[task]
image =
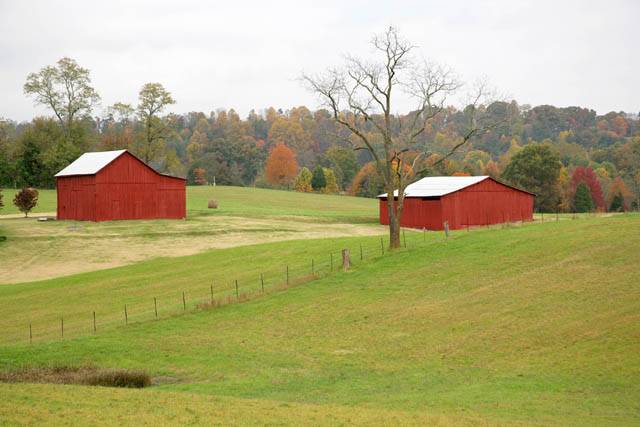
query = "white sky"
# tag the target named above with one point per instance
(245, 54)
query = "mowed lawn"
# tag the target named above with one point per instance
(244, 201)
(536, 324)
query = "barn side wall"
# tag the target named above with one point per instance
(416, 213)
(76, 196)
(128, 189)
(485, 203)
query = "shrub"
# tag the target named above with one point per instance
(85, 375)
(213, 204)
(26, 199)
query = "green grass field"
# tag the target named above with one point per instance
(245, 201)
(533, 324)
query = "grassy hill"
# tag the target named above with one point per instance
(535, 324)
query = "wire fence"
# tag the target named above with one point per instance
(221, 291)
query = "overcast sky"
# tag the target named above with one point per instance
(245, 55)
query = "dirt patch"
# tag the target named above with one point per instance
(42, 250)
(86, 375)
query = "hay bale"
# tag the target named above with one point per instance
(213, 204)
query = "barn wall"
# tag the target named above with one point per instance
(76, 197)
(416, 213)
(129, 189)
(487, 202)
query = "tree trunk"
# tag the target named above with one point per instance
(394, 221)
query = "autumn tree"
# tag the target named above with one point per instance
(152, 100)
(587, 175)
(200, 176)
(26, 199)
(619, 196)
(536, 168)
(362, 98)
(281, 165)
(303, 181)
(66, 89)
(331, 183)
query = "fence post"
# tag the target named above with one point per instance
(331, 256)
(126, 316)
(313, 271)
(94, 322)
(424, 234)
(62, 326)
(211, 288)
(262, 282)
(446, 229)
(184, 302)
(382, 245)
(468, 221)
(30, 334)
(237, 292)
(155, 306)
(287, 274)
(404, 238)
(346, 260)
(361, 252)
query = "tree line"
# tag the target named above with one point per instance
(572, 158)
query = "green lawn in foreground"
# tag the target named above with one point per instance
(245, 201)
(535, 324)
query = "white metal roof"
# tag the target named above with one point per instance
(434, 186)
(90, 163)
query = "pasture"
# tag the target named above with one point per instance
(41, 250)
(531, 324)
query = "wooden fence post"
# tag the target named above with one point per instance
(424, 234)
(382, 245)
(361, 252)
(30, 334)
(94, 322)
(237, 291)
(211, 288)
(468, 221)
(346, 260)
(446, 229)
(62, 326)
(126, 316)
(313, 271)
(155, 306)
(331, 262)
(262, 282)
(404, 238)
(184, 302)
(287, 274)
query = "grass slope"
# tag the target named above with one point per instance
(535, 324)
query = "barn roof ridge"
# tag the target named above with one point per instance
(437, 186)
(92, 162)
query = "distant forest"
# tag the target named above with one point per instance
(572, 158)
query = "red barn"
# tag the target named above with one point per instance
(112, 185)
(461, 201)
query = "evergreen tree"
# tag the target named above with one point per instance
(318, 181)
(617, 203)
(582, 200)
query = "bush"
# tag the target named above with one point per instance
(213, 204)
(85, 375)
(26, 199)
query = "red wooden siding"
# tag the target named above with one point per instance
(124, 189)
(484, 203)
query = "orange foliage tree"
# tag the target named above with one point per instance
(281, 167)
(200, 176)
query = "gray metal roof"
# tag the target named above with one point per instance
(435, 186)
(90, 163)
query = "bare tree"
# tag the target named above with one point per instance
(362, 95)
(153, 98)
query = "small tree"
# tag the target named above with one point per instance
(303, 181)
(318, 181)
(26, 199)
(582, 200)
(331, 183)
(617, 203)
(199, 176)
(281, 165)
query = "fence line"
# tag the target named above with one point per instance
(232, 290)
